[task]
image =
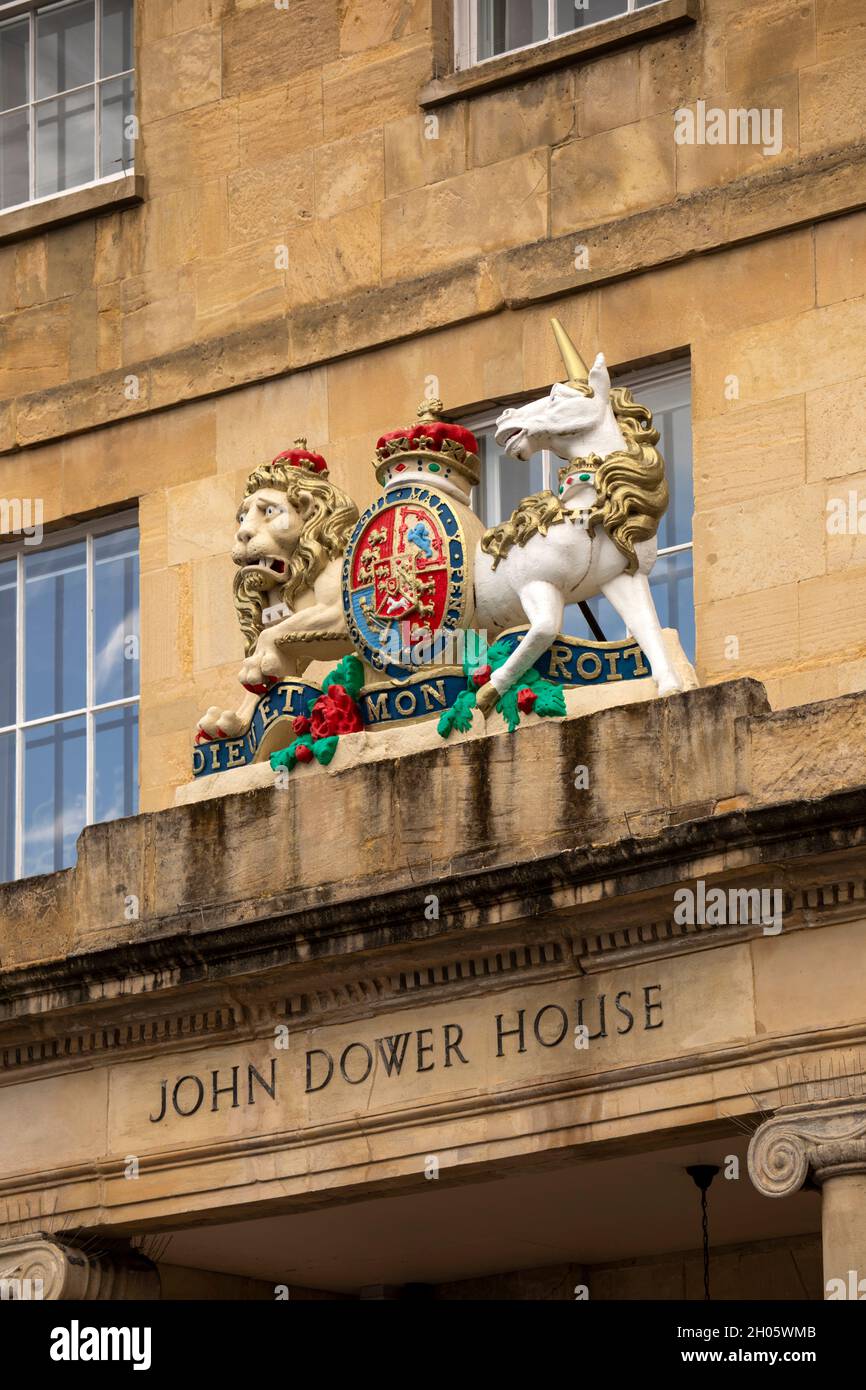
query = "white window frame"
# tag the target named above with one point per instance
(15, 11)
(88, 532)
(466, 32)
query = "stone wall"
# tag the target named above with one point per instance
(410, 257)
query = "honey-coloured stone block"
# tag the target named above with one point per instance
(263, 44)
(611, 174)
(425, 147)
(608, 92)
(255, 424)
(350, 173)
(270, 199)
(510, 122)
(179, 72)
(465, 216)
(832, 102)
(367, 89)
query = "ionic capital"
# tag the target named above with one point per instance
(40, 1266)
(823, 1140)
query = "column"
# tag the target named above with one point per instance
(825, 1142)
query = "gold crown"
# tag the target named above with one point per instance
(577, 467)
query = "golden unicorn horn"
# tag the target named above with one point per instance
(578, 372)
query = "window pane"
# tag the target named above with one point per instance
(116, 37)
(576, 14)
(14, 158)
(55, 769)
(115, 750)
(8, 645)
(504, 481)
(64, 142)
(675, 442)
(673, 591)
(115, 616)
(116, 152)
(65, 48)
(14, 64)
(507, 24)
(7, 807)
(55, 631)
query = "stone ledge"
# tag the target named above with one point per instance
(209, 904)
(581, 45)
(70, 207)
(808, 191)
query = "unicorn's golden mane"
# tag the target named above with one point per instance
(630, 482)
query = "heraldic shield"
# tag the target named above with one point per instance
(404, 581)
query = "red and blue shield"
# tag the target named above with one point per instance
(404, 580)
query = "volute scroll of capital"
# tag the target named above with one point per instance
(823, 1140)
(40, 1267)
(36, 1264)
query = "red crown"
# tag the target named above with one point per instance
(444, 445)
(302, 457)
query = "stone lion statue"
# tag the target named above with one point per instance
(293, 526)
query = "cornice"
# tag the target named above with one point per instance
(237, 1009)
(219, 942)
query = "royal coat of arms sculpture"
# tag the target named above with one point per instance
(433, 616)
(406, 587)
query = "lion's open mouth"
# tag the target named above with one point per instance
(266, 563)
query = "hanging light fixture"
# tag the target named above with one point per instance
(702, 1175)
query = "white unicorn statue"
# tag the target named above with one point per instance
(598, 536)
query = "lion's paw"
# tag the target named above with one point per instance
(253, 676)
(209, 725)
(220, 723)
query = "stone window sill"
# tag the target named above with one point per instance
(69, 207)
(544, 57)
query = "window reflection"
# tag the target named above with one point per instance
(55, 623)
(115, 754)
(115, 616)
(8, 653)
(79, 695)
(55, 793)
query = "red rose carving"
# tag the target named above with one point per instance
(335, 712)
